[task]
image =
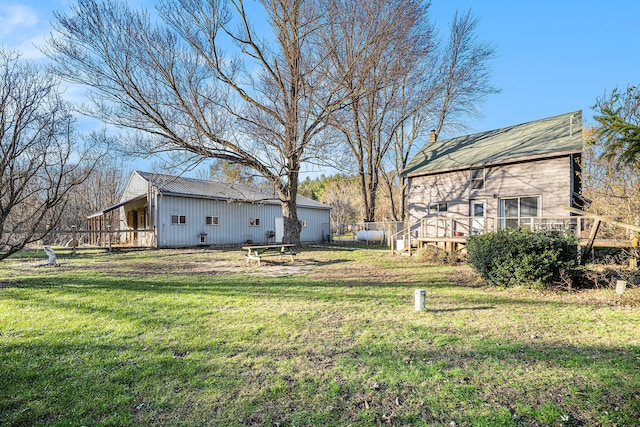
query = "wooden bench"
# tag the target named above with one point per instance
(256, 252)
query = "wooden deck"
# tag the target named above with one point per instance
(458, 243)
(451, 233)
(455, 243)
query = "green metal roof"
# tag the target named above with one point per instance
(538, 139)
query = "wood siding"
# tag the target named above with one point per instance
(551, 179)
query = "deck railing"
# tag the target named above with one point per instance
(455, 226)
(401, 240)
(447, 227)
(454, 230)
(559, 223)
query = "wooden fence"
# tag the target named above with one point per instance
(109, 238)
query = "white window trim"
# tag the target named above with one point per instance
(438, 210)
(179, 217)
(503, 219)
(254, 222)
(472, 179)
(213, 224)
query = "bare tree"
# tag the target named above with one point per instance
(464, 74)
(205, 81)
(384, 40)
(340, 194)
(226, 172)
(41, 160)
(407, 80)
(103, 187)
(405, 139)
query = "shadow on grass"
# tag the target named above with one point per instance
(447, 375)
(445, 310)
(244, 349)
(289, 288)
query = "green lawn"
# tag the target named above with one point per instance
(202, 338)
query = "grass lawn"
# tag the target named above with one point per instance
(199, 337)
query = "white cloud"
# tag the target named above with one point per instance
(22, 28)
(17, 19)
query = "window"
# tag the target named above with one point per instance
(178, 219)
(477, 179)
(303, 223)
(438, 208)
(518, 211)
(254, 222)
(211, 220)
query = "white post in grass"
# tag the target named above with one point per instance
(420, 299)
(52, 256)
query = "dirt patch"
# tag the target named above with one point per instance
(465, 277)
(185, 262)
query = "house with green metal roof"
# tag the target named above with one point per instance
(503, 177)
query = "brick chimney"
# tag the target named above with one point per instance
(433, 136)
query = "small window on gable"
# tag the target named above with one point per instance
(211, 220)
(477, 179)
(435, 208)
(178, 219)
(303, 223)
(254, 222)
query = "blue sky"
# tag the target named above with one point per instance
(553, 57)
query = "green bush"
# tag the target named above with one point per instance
(512, 257)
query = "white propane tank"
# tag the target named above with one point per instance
(370, 236)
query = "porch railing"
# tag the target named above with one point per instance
(455, 226)
(458, 228)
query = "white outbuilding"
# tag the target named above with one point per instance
(178, 212)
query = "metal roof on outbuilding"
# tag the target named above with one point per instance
(116, 206)
(199, 188)
(543, 138)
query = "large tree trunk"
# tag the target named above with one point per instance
(372, 191)
(292, 226)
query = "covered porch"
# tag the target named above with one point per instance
(124, 224)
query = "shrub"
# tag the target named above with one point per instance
(521, 257)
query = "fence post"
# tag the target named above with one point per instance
(73, 237)
(109, 236)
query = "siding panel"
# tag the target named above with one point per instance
(550, 178)
(233, 221)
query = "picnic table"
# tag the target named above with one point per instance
(256, 252)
